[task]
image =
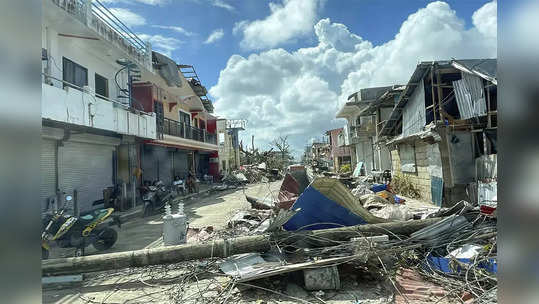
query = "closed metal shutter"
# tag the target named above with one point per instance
(87, 168)
(157, 164)
(181, 164)
(165, 165)
(48, 170)
(149, 164)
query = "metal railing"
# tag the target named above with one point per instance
(60, 84)
(105, 15)
(180, 129)
(107, 25)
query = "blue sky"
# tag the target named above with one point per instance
(374, 20)
(287, 66)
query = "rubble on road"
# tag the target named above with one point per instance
(318, 240)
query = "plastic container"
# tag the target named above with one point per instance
(174, 229)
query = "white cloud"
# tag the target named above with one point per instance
(215, 36)
(162, 44)
(298, 93)
(485, 19)
(148, 2)
(128, 17)
(178, 29)
(223, 4)
(289, 20)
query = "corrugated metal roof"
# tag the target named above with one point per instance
(485, 68)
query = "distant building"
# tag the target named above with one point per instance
(340, 153)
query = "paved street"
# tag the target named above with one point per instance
(211, 209)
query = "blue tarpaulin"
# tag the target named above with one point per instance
(442, 264)
(317, 208)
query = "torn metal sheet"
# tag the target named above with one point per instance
(247, 265)
(470, 96)
(257, 203)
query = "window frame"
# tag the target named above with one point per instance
(107, 95)
(405, 160)
(67, 83)
(180, 112)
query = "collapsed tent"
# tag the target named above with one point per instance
(327, 203)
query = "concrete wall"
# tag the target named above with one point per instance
(421, 178)
(75, 107)
(83, 52)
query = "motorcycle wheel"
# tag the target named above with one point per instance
(44, 253)
(107, 238)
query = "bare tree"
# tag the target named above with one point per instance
(281, 144)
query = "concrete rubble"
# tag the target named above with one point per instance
(453, 259)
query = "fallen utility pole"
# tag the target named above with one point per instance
(219, 248)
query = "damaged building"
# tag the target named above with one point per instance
(442, 129)
(364, 112)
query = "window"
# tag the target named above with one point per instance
(101, 85)
(74, 73)
(407, 157)
(221, 139)
(185, 118)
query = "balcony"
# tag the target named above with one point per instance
(108, 27)
(180, 129)
(80, 106)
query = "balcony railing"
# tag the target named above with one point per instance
(68, 103)
(96, 16)
(180, 129)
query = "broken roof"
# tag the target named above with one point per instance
(385, 100)
(166, 67)
(485, 68)
(363, 97)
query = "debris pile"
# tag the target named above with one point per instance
(318, 238)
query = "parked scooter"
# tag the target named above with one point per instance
(155, 197)
(78, 232)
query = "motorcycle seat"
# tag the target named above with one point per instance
(87, 217)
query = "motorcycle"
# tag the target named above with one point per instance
(155, 198)
(78, 232)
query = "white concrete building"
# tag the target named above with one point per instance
(89, 127)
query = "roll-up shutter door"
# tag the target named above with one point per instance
(157, 164)
(165, 165)
(87, 168)
(149, 164)
(48, 170)
(181, 164)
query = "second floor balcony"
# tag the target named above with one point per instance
(182, 130)
(93, 17)
(64, 102)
